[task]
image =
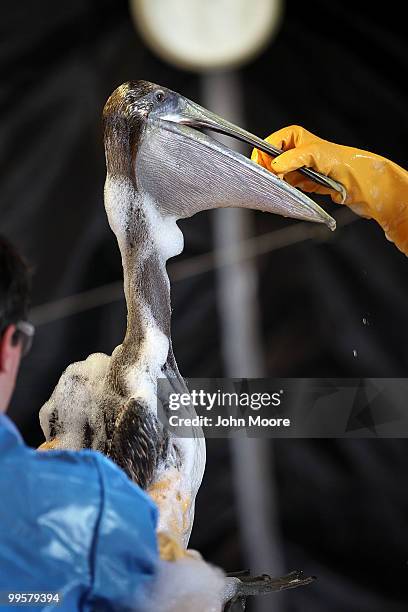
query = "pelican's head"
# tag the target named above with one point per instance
(154, 140)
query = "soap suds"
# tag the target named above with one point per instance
(75, 402)
(187, 585)
(142, 375)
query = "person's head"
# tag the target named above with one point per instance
(14, 331)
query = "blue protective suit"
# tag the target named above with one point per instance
(72, 522)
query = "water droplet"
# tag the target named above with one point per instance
(354, 353)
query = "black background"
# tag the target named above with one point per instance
(340, 70)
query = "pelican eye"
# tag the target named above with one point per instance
(159, 95)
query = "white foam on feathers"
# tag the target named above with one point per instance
(163, 230)
(186, 585)
(167, 236)
(74, 399)
(142, 375)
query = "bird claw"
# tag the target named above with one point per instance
(246, 585)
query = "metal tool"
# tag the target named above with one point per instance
(198, 117)
(315, 176)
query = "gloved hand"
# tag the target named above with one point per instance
(376, 187)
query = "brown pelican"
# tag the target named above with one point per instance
(160, 168)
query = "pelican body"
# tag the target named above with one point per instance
(160, 168)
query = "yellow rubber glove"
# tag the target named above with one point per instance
(376, 187)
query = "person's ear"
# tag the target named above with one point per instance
(10, 350)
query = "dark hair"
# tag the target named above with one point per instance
(14, 285)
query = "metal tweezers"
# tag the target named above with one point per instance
(315, 176)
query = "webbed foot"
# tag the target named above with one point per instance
(241, 585)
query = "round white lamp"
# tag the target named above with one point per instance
(205, 35)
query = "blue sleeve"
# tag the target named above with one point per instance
(72, 522)
(124, 552)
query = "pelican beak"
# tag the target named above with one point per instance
(197, 172)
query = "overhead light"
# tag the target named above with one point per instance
(205, 35)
